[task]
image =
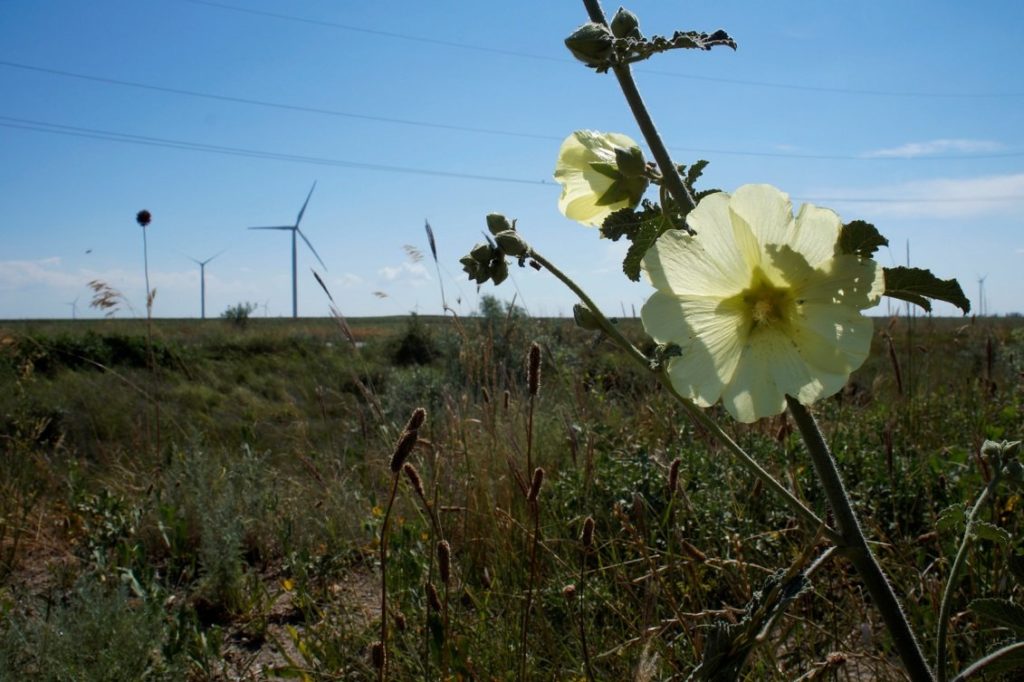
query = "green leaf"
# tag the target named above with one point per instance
(952, 519)
(859, 238)
(626, 222)
(987, 531)
(1004, 660)
(1000, 612)
(917, 285)
(694, 172)
(644, 240)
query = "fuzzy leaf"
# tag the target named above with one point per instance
(1000, 612)
(644, 240)
(917, 285)
(860, 238)
(952, 519)
(988, 531)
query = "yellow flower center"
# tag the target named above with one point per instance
(765, 304)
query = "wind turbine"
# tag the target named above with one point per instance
(74, 307)
(202, 280)
(981, 294)
(296, 231)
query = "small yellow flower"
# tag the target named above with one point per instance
(761, 304)
(599, 173)
(377, 511)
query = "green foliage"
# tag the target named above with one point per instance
(643, 227)
(917, 286)
(103, 633)
(860, 238)
(415, 345)
(209, 531)
(238, 314)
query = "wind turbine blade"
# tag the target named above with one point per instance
(304, 205)
(212, 257)
(311, 248)
(279, 227)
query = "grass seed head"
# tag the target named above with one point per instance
(414, 479)
(535, 484)
(444, 561)
(377, 654)
(533, 374)
(587, 536)
(402, 450)
(416, 419)
(673, 476)
(432, 597)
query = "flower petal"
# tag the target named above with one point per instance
(766, 210)
(709, 335)
(844, 280)
(708, 264)
(754, 391)
(834, 339)
(817, 231)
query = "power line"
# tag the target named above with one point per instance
(265, 103)
(149, 141)
(128, 138)
(376, 32)
(467, 129)
(566, 60)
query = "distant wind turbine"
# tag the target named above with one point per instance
(202, 280)
(74, 307)
(981, 294)
(296, 231)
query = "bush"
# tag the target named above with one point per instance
(239, 313)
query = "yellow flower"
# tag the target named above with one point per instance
(599, 173)
(761, 305)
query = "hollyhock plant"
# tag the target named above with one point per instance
(761, 304)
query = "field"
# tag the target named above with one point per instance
(212, 504)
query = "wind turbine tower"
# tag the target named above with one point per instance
(202, 281)
(981, 295)
(296, 231)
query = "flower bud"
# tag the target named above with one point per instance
(591, 43)
(497, 223)
(511, 243)
(143, 217)
(585, 318)
(625, 24)
(482, 253)
(499, 270)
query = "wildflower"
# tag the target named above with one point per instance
(599, 173)
(143, 217)
(761, 304)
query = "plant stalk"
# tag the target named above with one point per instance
(954, 574)
(855, 545)
(670, 177)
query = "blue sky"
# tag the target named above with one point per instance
(904, 114)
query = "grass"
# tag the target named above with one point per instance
(249, 542)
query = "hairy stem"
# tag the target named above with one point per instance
(855, 545)
(669, 174)
(954, 574)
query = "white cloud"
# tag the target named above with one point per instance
(414, 273)
(985, 196)
(913, 150)
(19, 274)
